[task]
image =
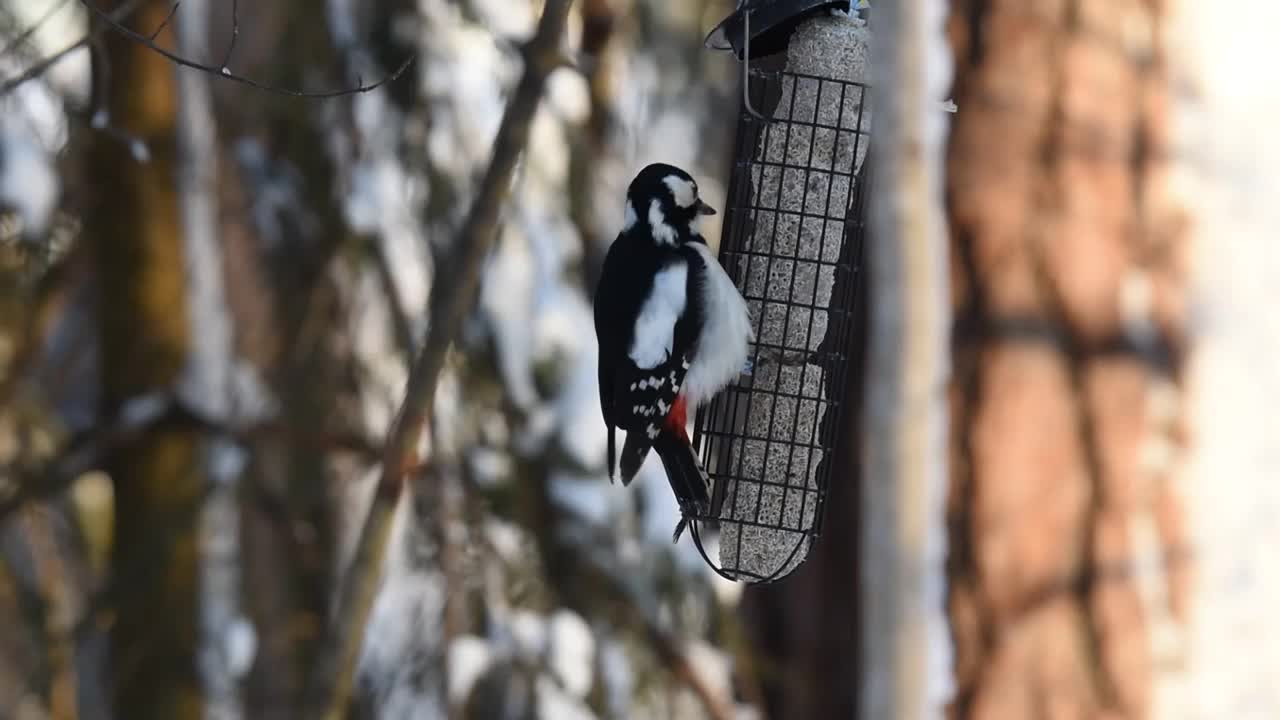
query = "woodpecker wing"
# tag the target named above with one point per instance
(649, 390)
(648, 321)
(662, 342)
(647, 396)
(631, 269)
(648, 379)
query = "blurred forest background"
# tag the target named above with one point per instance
(211, 296)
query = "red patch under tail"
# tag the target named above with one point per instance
(678, 417)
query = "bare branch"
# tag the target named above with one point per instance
(83, 453)
(173, 9)
(455, 291)
(235, 35)
(114, 21)
(25, 35)
(223, 71)
(144, 415)
(100, 73)
(39, 68)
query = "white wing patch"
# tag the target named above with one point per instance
(662, 232)
(722, 348)
(656, 323)
(682, 190)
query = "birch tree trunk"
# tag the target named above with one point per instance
(211, 383)
(905, 650)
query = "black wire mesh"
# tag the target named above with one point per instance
(792, 242)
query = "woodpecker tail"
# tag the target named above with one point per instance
(688, 480)
(613, 453)
(634, 451)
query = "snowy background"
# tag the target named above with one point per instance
(531, 586)
(210, 294)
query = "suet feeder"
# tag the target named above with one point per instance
(792, 242)
(765, 26)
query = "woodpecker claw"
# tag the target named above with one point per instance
(688, 512)
(675, 536)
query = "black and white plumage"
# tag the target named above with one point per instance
(673, 331)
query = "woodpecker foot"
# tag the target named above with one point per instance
(675, 536)
(688, 512)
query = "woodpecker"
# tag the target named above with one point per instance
(673, 331)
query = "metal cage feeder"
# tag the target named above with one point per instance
(792, 243)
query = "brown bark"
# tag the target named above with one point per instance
(135, 227)
(1053, 178)
(335, 676)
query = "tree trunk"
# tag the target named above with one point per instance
(1067, 341)
(904, 650)
(135, 226)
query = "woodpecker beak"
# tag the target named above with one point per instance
(705, 209)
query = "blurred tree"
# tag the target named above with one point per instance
(562, 595)
(1068, 292)
(285, 242)
(137, 246)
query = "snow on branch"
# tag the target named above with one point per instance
(333, 676)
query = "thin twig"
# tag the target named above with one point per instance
(223, 71)
(85, 451)
(25, 35)
(334, 674)
(235, 35)
(81, 455)
(118, 15)
(165, 23)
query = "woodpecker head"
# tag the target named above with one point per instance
(665, 199)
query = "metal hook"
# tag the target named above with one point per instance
(746, 67)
